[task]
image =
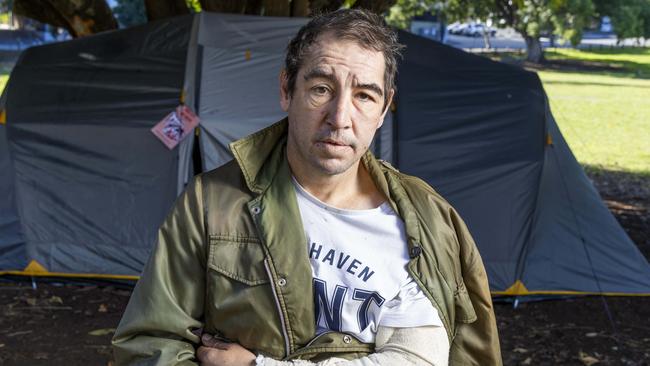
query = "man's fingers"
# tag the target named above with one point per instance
(209, 356)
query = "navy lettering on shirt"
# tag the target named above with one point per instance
(315, 253)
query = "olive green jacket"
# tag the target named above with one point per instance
(232, 259)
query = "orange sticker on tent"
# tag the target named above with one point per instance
(248, 55)
(3, 117)
(549, 139)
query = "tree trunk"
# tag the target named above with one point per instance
(160, 9)
(80, 18)
(534, 51)
(300, 8)
(276, 8)
(376, 6)
(225, 6)
(324, 6)
(486, 39)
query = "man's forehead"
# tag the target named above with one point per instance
(329, 51)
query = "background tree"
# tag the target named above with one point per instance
(84, 17)
(130, 12)
(630, 18)
(530, 18)
(79, 18)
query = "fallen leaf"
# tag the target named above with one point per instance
(527, 361)
(31, 301)
(102, 308)
(2, 345)
(520, 350)
(101, 332)
(591, 334)
(587, 360)
(56, 300)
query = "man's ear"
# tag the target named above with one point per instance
(389, 102)
(285, 95)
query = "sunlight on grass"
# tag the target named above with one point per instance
(603, 118)
(3, 81)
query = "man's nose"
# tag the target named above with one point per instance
(339, 112)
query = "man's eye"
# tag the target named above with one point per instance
(365, 97)
(320, 90)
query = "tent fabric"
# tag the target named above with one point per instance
(593, 253)
(13, 253)
(241, 60)
(474, 130)
(92, 184)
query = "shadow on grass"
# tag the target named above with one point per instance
(630, 68)
(584, 83)
(591, 63)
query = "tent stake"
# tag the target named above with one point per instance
(516, 303)
(34, 283)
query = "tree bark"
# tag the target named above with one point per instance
(79, 18)
(160, 9)
(376, 6)
(276, 8)
(486, 39)
(534, 51)
(324, 6)
(225, 6)
(300, 8)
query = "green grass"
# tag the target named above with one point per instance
(604, 116)
(3, 80)
(5, 70)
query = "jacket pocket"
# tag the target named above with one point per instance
(465, 312)
(239, 300)
(239, 258)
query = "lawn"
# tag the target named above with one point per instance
(604, 115)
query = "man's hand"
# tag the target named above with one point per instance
(215, 352)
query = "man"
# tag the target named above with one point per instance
(305, 247)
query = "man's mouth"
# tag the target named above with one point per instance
(334, 142)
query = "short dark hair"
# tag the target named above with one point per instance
(367, 29)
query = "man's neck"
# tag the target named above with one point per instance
(353, 189)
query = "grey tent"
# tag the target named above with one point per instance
(92, 183)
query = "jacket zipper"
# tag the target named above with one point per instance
(277, 303)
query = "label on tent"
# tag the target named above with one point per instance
(176, 126)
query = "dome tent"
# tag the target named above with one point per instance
(92, 183)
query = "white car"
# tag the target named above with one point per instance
(477, 30)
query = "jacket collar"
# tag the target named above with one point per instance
(259, 155)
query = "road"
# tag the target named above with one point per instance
(509, 39)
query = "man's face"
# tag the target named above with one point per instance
(336, 106)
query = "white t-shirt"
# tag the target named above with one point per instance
(358, 260)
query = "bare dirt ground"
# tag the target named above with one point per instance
(71, 324)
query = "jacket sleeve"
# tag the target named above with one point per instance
(168, 300)
(416, 346)
(475, 343)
